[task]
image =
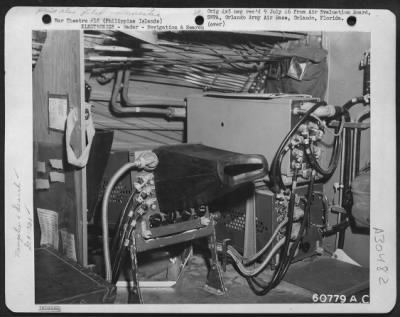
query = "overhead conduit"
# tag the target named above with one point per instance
(169, 107)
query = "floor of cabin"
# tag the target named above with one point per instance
(295, 288)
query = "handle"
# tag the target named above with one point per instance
(240, 169)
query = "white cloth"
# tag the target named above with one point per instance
(90, 131)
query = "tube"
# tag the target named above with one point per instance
(117, 109)
(148, 102)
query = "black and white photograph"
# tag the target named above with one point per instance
(184, 164)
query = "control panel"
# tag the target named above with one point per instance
(154, 224)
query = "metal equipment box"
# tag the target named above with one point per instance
(231, 221)
(249, 124)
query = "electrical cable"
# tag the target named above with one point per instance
(341, 128)
(275, 279)
(279, 274)
(337, 147)
(279, 167)
(336, 228)
(250, 273)
(121, 221)
(353, 101)
(252, 259)
(240, 260)
(121, 237)
(286, 260)
(325, 207)
(276, 182)
(309, 199)
(107, 194)
(293, 250)
(147, 161)
(122, 251)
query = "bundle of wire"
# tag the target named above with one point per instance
(124, 232)
(211, 65)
